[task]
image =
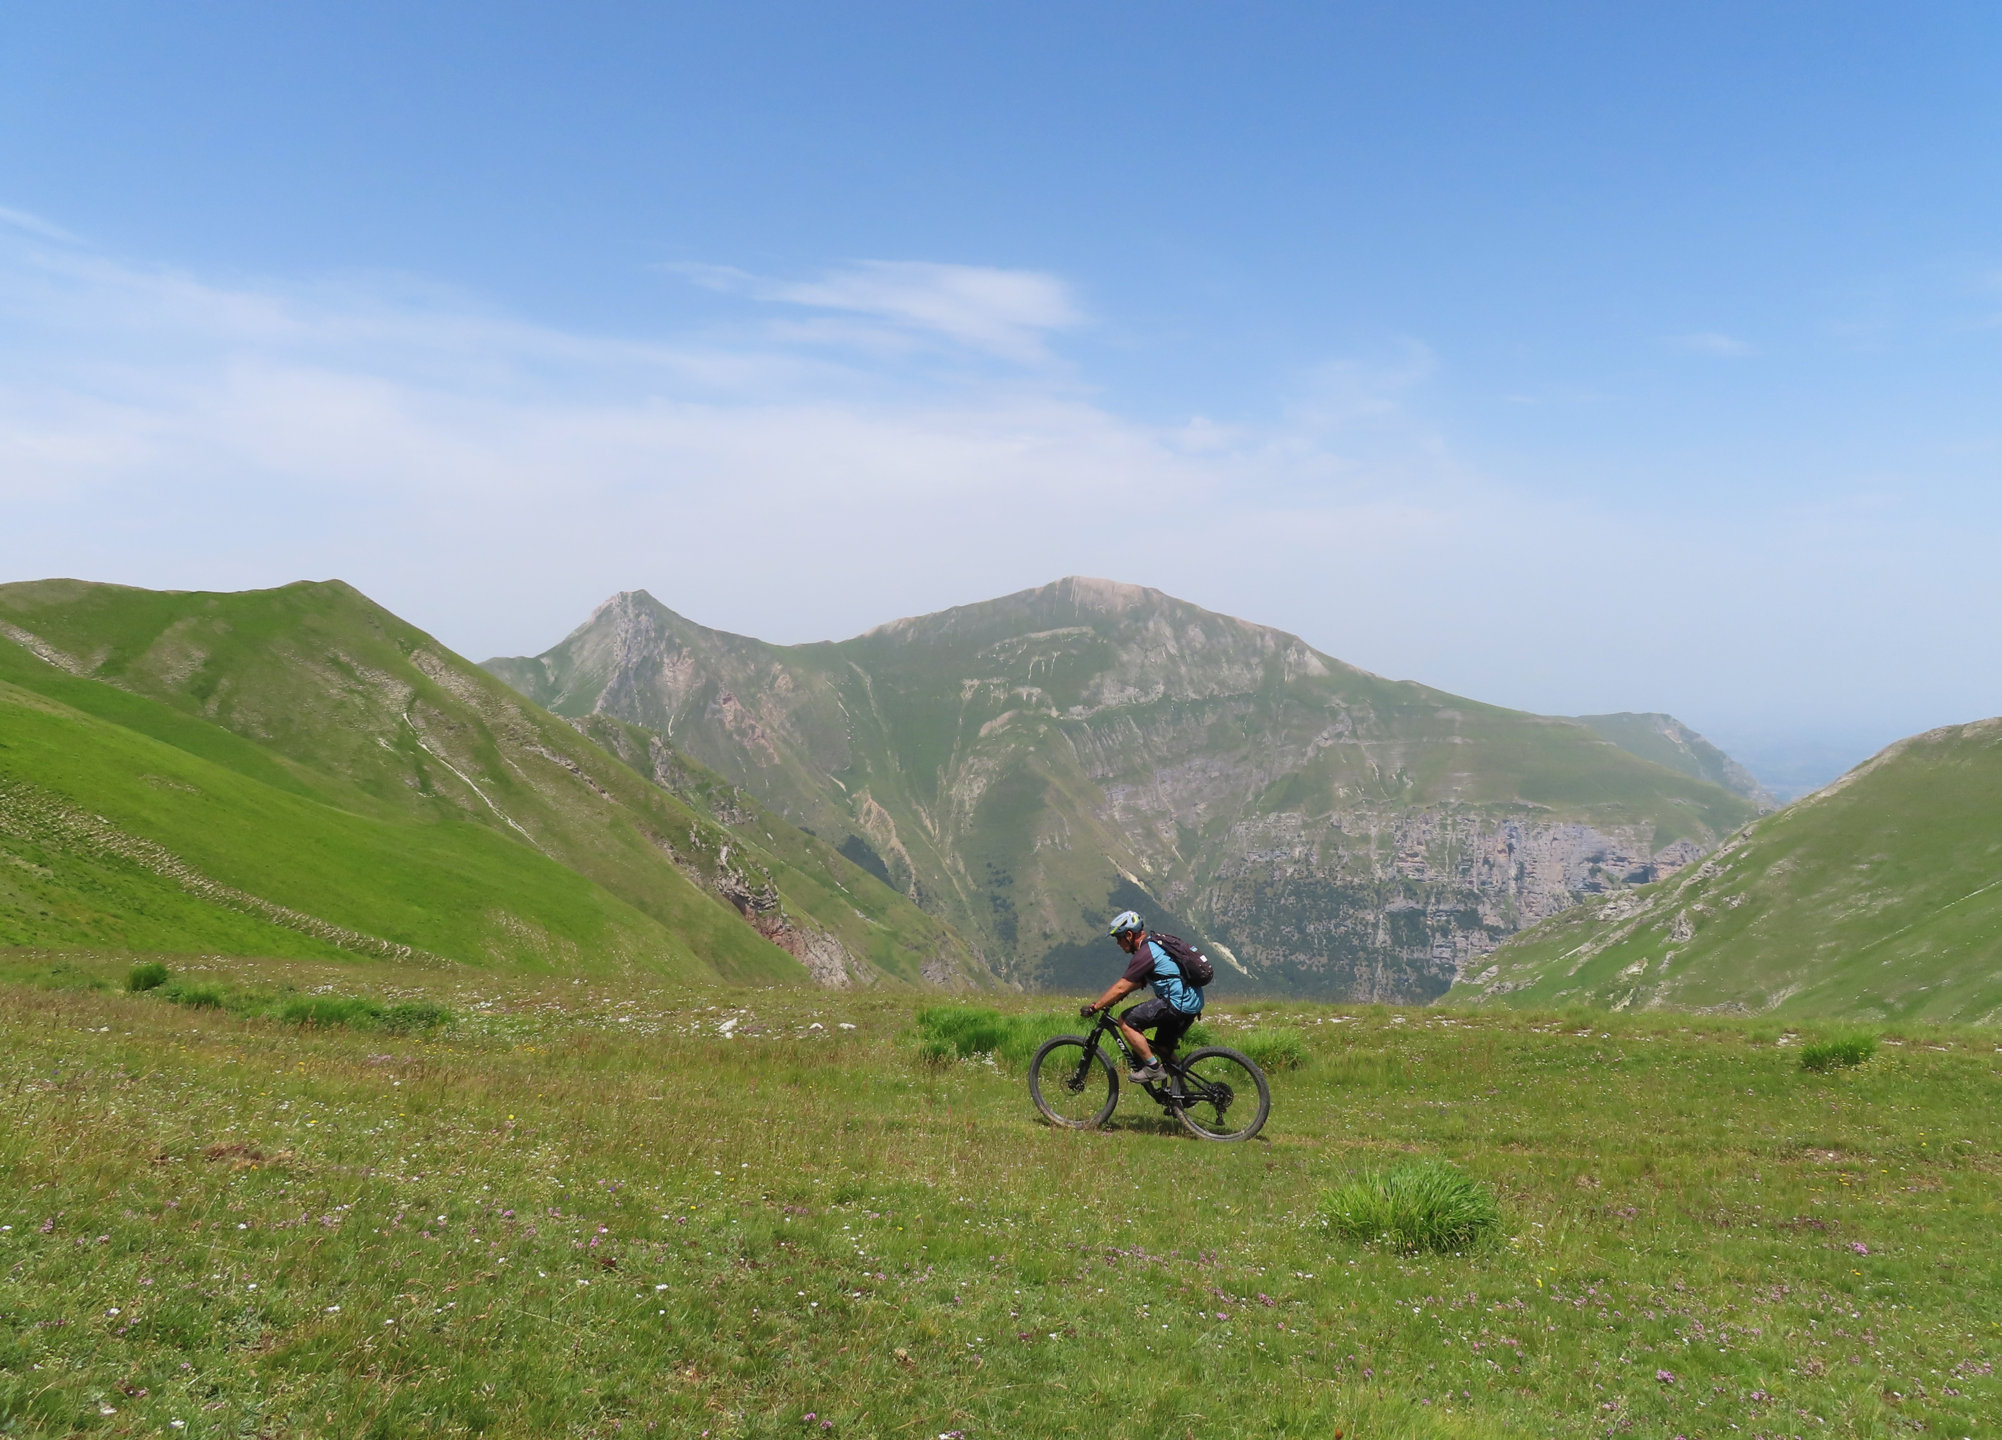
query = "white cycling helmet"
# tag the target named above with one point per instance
(1124, 923)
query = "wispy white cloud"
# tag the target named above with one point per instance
(1006, 313)
(27, 223)
(1339, 393)
(1712, 342)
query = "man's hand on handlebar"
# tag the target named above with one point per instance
(1087, 1011)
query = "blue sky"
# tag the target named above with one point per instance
(1573, 357)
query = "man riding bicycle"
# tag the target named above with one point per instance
(1174, 1008)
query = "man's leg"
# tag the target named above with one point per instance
(1168, 1034)
(1138, 1041)
(1144, 1016)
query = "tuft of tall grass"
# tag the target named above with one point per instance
(195, 997)
(934, 1051)
(1426, 1205)
(353, 1012)
(407, 1016)
(1851, 1047)
(322, 1011)
(1274, 1050)
(961, 1032)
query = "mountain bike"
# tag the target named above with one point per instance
(1217, 1093)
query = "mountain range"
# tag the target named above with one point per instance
(1024, 767)
(957, 800)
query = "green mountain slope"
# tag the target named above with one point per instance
(1878, 897)
(1025, 766)
(1667, 741)
(305, 760)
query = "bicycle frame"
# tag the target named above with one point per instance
(1170, 1096)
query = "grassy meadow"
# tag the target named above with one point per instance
(583, 1207)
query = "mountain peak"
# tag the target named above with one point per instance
(1073, 599)
(621, 603)
(1112, 597)
(631, 613)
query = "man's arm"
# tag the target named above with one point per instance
(1117, 991)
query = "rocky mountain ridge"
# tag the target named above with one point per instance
(1023, 766)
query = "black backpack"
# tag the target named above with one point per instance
(1194, 965)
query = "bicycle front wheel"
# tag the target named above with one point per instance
(1073, 1087)
(1224, 1095)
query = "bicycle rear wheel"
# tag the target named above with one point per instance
(1073, 1087)
(1225, 1095)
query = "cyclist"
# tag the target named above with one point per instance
(1174, 1008)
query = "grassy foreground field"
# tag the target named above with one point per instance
(580, 1210)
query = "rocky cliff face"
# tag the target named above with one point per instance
(1023, 766)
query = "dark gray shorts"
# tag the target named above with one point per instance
(1167, 1023)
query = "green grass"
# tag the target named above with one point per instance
(1848, 1049)
(358, 1012)
(281, 1001)
(1273, 1050)
(148, 975)
(1871, 901)
(667, 1211)
(1423, 1206)
(325, 1010)
(318, 1011)
(968, 1032)
(195, 997)
(407, 1017)
(450, 888)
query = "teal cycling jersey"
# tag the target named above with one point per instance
(1154, 966)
